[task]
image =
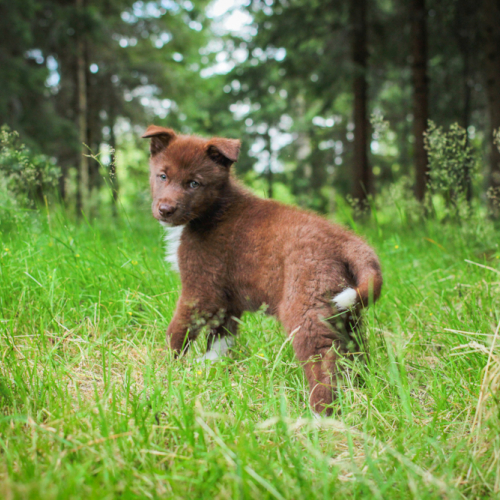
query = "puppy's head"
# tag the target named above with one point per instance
(187, 173)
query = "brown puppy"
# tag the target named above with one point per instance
(236, 252)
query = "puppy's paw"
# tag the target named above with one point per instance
(209, 357)
(218, 350)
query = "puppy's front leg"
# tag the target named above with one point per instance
(182, 329)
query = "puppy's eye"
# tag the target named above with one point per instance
(163, 177)
(194, 184)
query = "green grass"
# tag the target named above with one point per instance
(93, 406)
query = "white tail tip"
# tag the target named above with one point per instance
(345, 299)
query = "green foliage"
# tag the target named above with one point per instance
(282, 84)
(380, 125)
(452, 164)
(139, 60)
(493, 192)
(496, 138)
(25, 178)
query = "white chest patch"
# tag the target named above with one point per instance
(173, 241)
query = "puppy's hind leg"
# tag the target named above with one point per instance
(317, 346)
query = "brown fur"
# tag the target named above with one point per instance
(238, 252)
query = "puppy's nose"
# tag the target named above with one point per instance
(165, 209)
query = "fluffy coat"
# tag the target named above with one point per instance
(237, 252)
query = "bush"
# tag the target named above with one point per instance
(25, 177)
(452, 165)
(493, 193)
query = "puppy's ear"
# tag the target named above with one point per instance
(223, 151)
(160, 138)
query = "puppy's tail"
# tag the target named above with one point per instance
(368, 278)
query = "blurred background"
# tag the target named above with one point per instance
(337, 103)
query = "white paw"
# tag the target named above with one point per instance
(219, 349)
(210, 356)
(345, 299)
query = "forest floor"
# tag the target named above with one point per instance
(93, 406)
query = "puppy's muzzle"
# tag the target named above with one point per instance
(166, 210)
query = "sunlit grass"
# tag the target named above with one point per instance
(93, 405)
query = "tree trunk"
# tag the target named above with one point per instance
(491, 39)
(269, 171)
(465, 40)
(270, 180)
(62, 182)
(467, 92)
(362, 174)
(92, 124)
(420, 93)
(112, 166)
(466, 114)
(83, 170)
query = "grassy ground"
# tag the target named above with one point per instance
(92, 406)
